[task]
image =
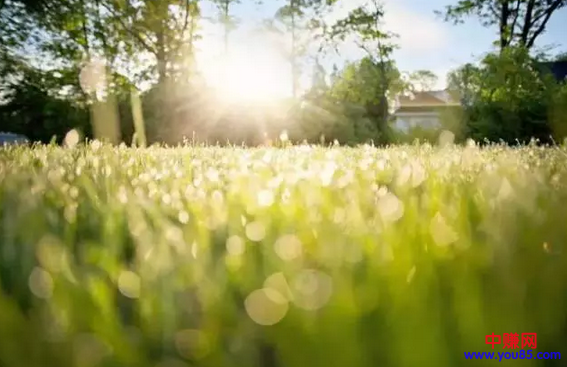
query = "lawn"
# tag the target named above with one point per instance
(280, 257)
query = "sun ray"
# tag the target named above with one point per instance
(252, 72)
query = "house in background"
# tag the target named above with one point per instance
(422, 110)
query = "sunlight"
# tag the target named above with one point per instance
(252, 73)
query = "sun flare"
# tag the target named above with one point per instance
(251, 73)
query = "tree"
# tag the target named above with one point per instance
(519, 22)
(464, 83)
(507, 97)
(165, 29)
(33, 107)
(561, 57)
(302, 21)
(228, 21)
(421, 80)
(365, 25)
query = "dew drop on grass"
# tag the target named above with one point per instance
(265, 198)
(166, 199)
(418, 174)
(327, 174)
(122, 195)
(183, 217)
(51, 253)
(192, 344)
(312, 289)
(129, 284)
(74, 192)
(266, 306)
(288, 247)
(40, 283)
(212, 175)
(279, 283)
(96, 145)
(403, 175)
(255, 231)
(71, 139)
(235, 245)
(174, 235)
(506, 191)
(390, 207)
(442, 233)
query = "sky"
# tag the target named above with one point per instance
(425, 41)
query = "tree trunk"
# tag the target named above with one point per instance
(161, 42)
(85, 30)
(293, 51)
(161, 58)
(527, 23)
(226, 26)
(504, 31)
(385, 86)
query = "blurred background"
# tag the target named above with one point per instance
(244, 71)
(113, 255)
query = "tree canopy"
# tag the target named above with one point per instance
(519, 22)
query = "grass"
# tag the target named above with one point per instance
(304, 256)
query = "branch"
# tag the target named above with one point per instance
(515, 21)
(186, 22)
(493, 9)
(542, 13)
(556, 4)
(527, 22)
(130, 30)
(504, 17)
(365, 49)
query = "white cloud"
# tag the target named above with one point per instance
(417, 31)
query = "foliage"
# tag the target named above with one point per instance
(227, 20)
(33, 107)
(507, 97)
(327, 119)
(519, 22)
(375, 79)
(361, 84)
(300, 21)
(75, 36)
(402, 256)
(422, 80)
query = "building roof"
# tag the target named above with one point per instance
(425, 100)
